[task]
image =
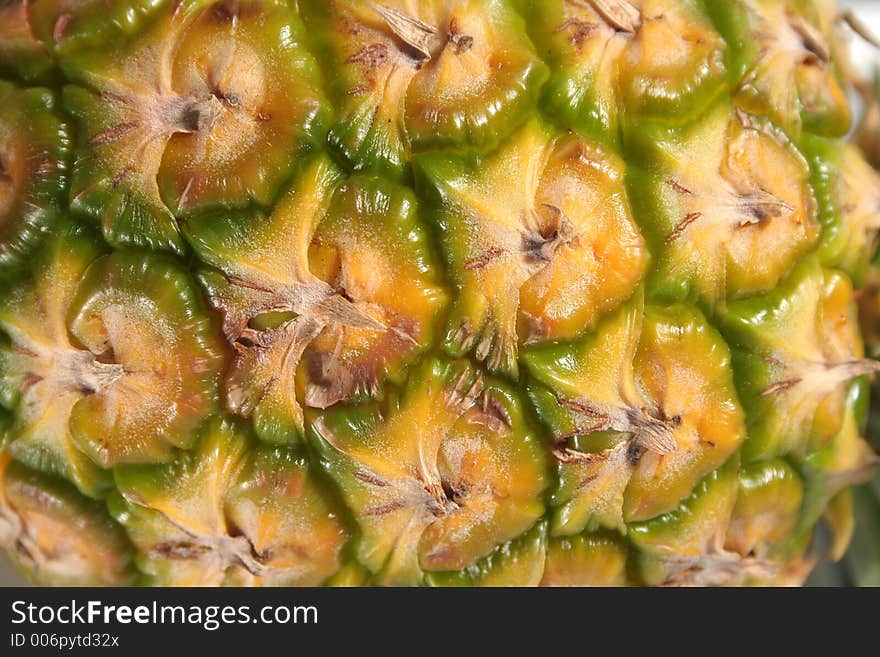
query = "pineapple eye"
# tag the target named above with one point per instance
(785, 56)
(229, 512)
(731, 206)
(210, 107)
(344, 271)
(146, 315)
(120, 366)
(657, 58)
(447, 496)
(767, 509)
(631, 441)
(520, 562)
(539, 239)
(414, 76)
(847, 460)
(797, 369)
(685, 545)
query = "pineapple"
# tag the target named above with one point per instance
(861, 559)
(449, 292)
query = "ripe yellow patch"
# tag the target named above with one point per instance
(741, 207)
(604, 257)
(444, 480)
(585, 561)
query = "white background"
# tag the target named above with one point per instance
(864, 55)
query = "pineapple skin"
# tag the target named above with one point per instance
(444, 293)
(860, 563)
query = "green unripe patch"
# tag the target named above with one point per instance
(210, 106)
(796, 352)
(34, 34)
(518, 563)
(846, 461)
(663, 60)
(34, 153)
(685, 545)
(848, 191)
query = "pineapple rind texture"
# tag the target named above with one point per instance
(35, 170)
(442, 293)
